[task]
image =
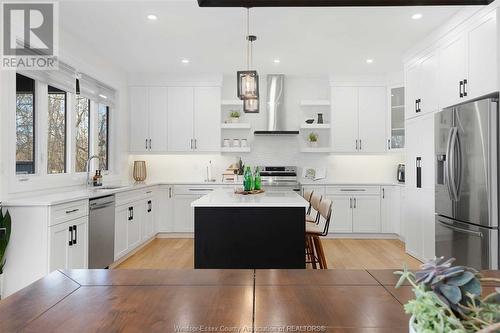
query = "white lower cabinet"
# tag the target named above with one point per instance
(341, 220)
(390, 209)
(69, 245)
(122, 214)
(149, 218)
(134, 225)
(355, 209)
(164, 209)
(366, 214)
(184, 213)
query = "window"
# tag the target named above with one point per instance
(82, 132)
(103, 136)
(25, 125)
(56, 142)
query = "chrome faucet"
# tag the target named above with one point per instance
(87, 167)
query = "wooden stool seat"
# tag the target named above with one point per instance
(314, 248)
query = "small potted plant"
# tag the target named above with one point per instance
(234, 116)
(5, 229)
(449, 299)
(313, 139)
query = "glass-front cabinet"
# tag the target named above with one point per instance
(396, 137)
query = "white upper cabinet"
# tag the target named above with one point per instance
(139, 122)
(421, 86)
(358, 119)
(181, 119)
(483, 57)
(207, 119)
(468, 63)
(157, 119)
(344, 119)
(148, 119)
(175, 119)
(452, 71)
(372, 111)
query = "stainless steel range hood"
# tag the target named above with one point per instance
(275, 106)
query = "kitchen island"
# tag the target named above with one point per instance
(265, 230)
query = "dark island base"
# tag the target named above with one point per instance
(249, 237)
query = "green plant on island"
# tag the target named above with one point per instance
(313, 137)
(449, 299)
(234, 114)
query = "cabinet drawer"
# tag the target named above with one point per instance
(128, 197)
(353, 190)
(68, 211)
(193, 189)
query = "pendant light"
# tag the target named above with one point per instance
(248, 80)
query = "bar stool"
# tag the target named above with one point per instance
(314, 203)
(314, 248)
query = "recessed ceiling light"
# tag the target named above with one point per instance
(276, 61)
(103, 96)
(369, 61)
(152, 17)
(417, 16)
(185, 61)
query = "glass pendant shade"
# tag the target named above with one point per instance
(248, 85)
(251, 105)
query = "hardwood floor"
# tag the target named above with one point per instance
(177, 253)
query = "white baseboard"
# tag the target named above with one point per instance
(131, 253)
(362, 236)
(175, 235)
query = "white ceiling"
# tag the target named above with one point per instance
(308, 41)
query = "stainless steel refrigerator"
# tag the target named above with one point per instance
(466, 145)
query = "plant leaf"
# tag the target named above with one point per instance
(472, 287)
(461, 279)
(451, 293)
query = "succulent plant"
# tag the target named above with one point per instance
(452, 285)
(448, 299)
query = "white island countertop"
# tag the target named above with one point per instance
(227, 198)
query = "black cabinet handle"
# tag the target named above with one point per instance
(465, 87)
(416, 106)
(383, 193)
(150, 206)
(132, 212)
(70, 235)
(461, 89)
(76, 236)
(130, 216)
(419, 172)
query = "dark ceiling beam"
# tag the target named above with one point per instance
(337, 3)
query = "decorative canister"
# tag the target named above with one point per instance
(236, 142)
(227, 143)
(140, 173)
(244, 143)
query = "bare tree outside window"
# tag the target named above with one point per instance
(56, 143)
(25, 125)
(82, 132)
(103, 136)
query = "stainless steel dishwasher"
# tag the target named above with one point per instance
(102, 232)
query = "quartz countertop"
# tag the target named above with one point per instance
(334, 182)
(227, 198)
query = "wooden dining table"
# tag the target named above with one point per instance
(210, 301)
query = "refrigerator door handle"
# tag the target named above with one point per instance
(448, 164)
(452, 165)
(457, 229)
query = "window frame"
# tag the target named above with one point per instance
(35, 130)
(41, 181)
(66, 164)
(96, 133)
(90, 133)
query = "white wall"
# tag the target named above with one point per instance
(87, 60)
(276, 150)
